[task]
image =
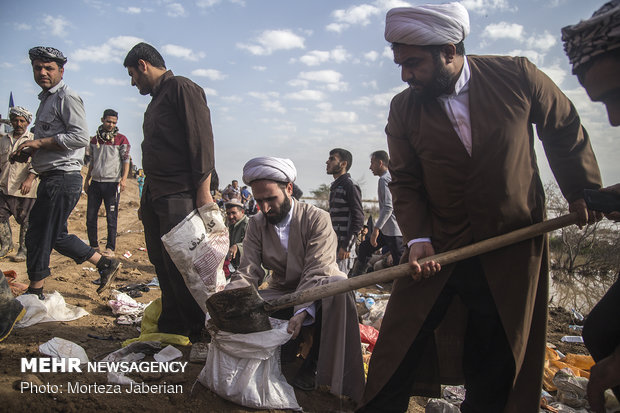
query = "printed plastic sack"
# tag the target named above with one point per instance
(245, 369)
(369, 335)
(198, 246)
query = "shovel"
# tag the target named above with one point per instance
(243, 311)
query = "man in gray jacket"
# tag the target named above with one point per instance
(57, 150)
(386, 231)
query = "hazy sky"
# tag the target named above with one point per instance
(289, 78)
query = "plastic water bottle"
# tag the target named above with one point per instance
(369, 302)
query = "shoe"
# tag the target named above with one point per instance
(107, 253)
(21, 252)
(5, 239)
(107, 272)
(305, 379)
(36, 291)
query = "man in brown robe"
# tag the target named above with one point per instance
(464, 169)
(296, 242)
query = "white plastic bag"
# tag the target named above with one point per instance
(245, 369)
(53, 308)
(60, 348)
(198, 246)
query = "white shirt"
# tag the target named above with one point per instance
(456, 106)
(283, 229)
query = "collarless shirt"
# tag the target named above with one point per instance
(456, 106)
(283, 227)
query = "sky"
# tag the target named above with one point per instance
(287, 78)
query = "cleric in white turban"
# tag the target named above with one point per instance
(427, 25)
(269, 167)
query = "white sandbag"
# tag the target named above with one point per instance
(245, 369)
(53, 308)
(60, 348)
(198, 246)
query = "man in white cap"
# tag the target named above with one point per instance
(464, 169)
(296, 242)
(593, 48)
(18, 184)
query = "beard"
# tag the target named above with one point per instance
(276, 218)
(440, 84)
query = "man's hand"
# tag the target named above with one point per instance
(428, 269)
(343, 254)
(122, 184)
(26, 186)
(374, 236)
(295, 323)
(232, 251)
(614, 216)
(23, 152)
(603, 375)
(585, 215)
(86, 183)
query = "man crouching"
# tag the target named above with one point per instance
(297, 243)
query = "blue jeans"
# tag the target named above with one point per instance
(57, 195)
(108, 193)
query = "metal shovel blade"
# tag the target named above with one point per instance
(239, 310)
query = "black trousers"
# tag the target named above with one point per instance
(108, 193)
(601, 331)
(180, 313)
(394, 243)
(488, 363)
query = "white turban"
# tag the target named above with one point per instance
(427, 25)
(268, 167)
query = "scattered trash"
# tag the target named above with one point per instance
(454, 394)
(369, 334)
(91, 269)
(369, 302)
(133, 352)
(123, 304)
(169, 353)
(572, 339)
(154, 282)
(440, 406)
(135, 290)
(198, 353)
(575, 327)
(60, 348)
(127, 254)
(53, 308)
(577, 315)
(571, 389)
(141, 249)
(149, 330)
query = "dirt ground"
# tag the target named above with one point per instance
(73, 282)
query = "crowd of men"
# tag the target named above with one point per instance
(460, 168)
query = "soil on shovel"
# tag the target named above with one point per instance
(99, 335)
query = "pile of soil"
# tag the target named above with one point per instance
(74, 283)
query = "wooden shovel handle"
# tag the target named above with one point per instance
(448, 257)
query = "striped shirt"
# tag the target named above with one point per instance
(107, 158)
(345, 209)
